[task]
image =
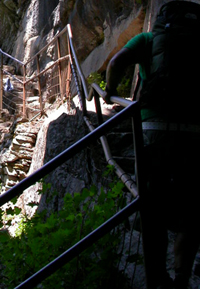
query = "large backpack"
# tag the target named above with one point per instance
(173, 81)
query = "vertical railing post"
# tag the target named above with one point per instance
(24, 91)
(59, 69)
(82, 93)
(1, 85)
(39, 83)
(68, 69)
(98, 107)
(68, 79)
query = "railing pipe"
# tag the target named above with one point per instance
(98, 108)
(56, 38)
(126, 179)
(39, 83)
(68, 69)
(59, 69)
(96, 91)
(83, 87)
(77, 63)
(24, 90)
(67, 154)
(121, 101)
(46, 69)
(49, 43)
(79, 92)
(115, 99)
(13, 76)
(128, 182)
(11, 57)
(79, 247)
(83, 99)
(95, 87)
(68, 79)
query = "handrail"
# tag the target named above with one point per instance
(132, 110)
(19, 80)
(67, 154)
(79, 247)
(129, 183)
(48, 44)
(115, 99)
(39, 73)
(60, 261)
(95, 87)
(76, 62)
(11, 57)
(46, 69)
(124, 102)
(138, 143)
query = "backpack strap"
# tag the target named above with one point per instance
(137, 87)
(148, 58)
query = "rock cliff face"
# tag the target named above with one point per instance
(29, 25)
(100, 27)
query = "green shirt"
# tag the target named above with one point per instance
(140, 46)
(141, 53)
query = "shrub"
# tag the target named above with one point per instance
(97, 78)
(41, 239)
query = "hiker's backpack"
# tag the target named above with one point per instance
(173, 85)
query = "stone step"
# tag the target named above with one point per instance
(15, 162)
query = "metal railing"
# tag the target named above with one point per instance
(31, 93)
(96, 92)
(52, 165)
(131, 110)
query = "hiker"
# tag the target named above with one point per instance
(171, 128)
(8, 86)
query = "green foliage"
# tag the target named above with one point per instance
(124, 87)
(41, 239)
(97, 78)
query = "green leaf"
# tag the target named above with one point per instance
(70, 218)
(10, 211)
(14, 200)
(93, 191)
(77, 199)
(85, 194)
(32, 204)
(109, 171)
(17, 210)
(102, 197)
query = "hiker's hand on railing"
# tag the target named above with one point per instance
(108, 94)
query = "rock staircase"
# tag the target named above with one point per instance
(16, 151)
(17, 135)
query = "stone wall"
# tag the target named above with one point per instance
(94, 23)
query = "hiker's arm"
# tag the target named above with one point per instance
(115, 70)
